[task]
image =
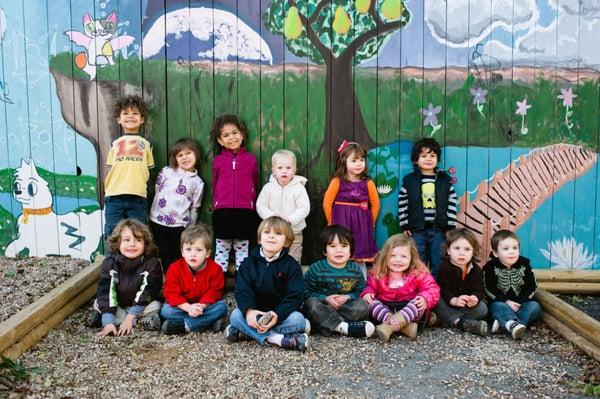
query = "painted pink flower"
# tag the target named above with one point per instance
(567, 96)
(522, 107)
(452, 170)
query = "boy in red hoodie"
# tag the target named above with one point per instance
(193, 287)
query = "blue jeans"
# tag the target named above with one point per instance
(294, 323)
(117, 207)
(530, 311)
(212, 313)
(429, 243)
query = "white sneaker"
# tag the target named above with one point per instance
(517, 331)
(495, 326)
(306, 326)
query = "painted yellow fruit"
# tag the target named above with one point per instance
(292, 26)
(362, 6)
(392, 9)
(341, 21)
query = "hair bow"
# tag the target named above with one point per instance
(343, 146)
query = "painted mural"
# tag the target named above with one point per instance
(510, 90)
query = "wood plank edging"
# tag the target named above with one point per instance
(20, 324)
(576, 339)
(556, 287)
(567, 276)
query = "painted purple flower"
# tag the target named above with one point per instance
(181, 188)
(478, 95)
(431, 115)
(522, 107)
(169, 220)
(567, 96)
(162, 203)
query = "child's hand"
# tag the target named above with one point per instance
(332, 301)
(459, 301)
(421, 303)
(252, 316)
(341, 299)
(368, 298)
(408, 233)
(107, 330)
(472, 301)
(195, 310)
(127, 325)
(267, 327)
(513, 305)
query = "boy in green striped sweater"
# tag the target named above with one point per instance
(332, 288)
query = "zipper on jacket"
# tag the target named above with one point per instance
(233, 165)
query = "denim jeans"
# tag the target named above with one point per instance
(212, 313)
(295, 323)
(139, 311)
(449, 314)
(117, 207)
(529, 312)
(429, 243)
(327, 318)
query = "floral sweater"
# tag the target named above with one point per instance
(178, 197)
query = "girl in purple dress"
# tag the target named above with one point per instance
(351, 200)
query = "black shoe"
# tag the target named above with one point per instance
(217, 326)
(361, 329)
(172, 327)
(95, 320)
(150, 322)
(478, 327)
(295, 341)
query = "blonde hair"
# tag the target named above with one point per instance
(397, 240)
(279, 225)
(139, 231)
(283, 154)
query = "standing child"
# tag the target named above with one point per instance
(269, 292)
(427, 203)
(332, 288)
(400, 289)
(130, 157)
(351, 200)
(510, 284)
(130, 281)
(285, 196)
(193, 287)
(461, 284)
(234, 180)
(177, 199)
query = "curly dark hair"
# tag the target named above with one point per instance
(426, 142)
(227, 119)
(131, 101)
(139, 230)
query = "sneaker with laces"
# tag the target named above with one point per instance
(232, 334)
(217, 326)
(517, 330)
(295, 341)
(475, 326)
(150, 322)
(307, 326)
(172, 327)
(495, 326)
(360, 329)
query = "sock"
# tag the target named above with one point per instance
(410, 311)
(222, 249)
(241, 251)
(275, 339)
(509, 325)
(342, 328)
(379, 311)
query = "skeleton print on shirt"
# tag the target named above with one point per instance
(510, 278)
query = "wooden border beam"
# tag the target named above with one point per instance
(53, 305)
(567, 276)
(557, 287)
(586, 346)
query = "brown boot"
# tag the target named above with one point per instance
(384, 331)
(410, 330)
(402, 322)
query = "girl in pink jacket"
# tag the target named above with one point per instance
(400, 289)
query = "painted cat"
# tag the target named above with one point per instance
(98, 38)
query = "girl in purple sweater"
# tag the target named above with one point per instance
(234, 180)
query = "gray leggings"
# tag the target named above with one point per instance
(449, 314)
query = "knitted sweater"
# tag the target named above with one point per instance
(322, 280)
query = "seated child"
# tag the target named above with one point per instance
(130, 281)
(285, 196)
(510, 284)
(269, 292)
(400, 289)
(332, 288)
(461, 284)
(193, 286)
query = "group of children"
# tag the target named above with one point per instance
(425, 274)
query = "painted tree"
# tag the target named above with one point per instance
(339, 34)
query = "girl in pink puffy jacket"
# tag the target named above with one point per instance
(400, 290)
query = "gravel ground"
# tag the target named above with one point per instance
(441, 363)
(24, 281)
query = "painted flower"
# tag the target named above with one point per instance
(452, 170)
(522, 107)
(162, 203)
(384, 189)
(478, 95)
(567, 254)
(567, 96)
(454, 180)
(431, 114)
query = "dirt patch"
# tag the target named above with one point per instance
(23, 281)
(588, 304)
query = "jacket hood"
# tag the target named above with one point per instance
(295, 180)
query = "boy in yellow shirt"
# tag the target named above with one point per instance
(130, 157)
